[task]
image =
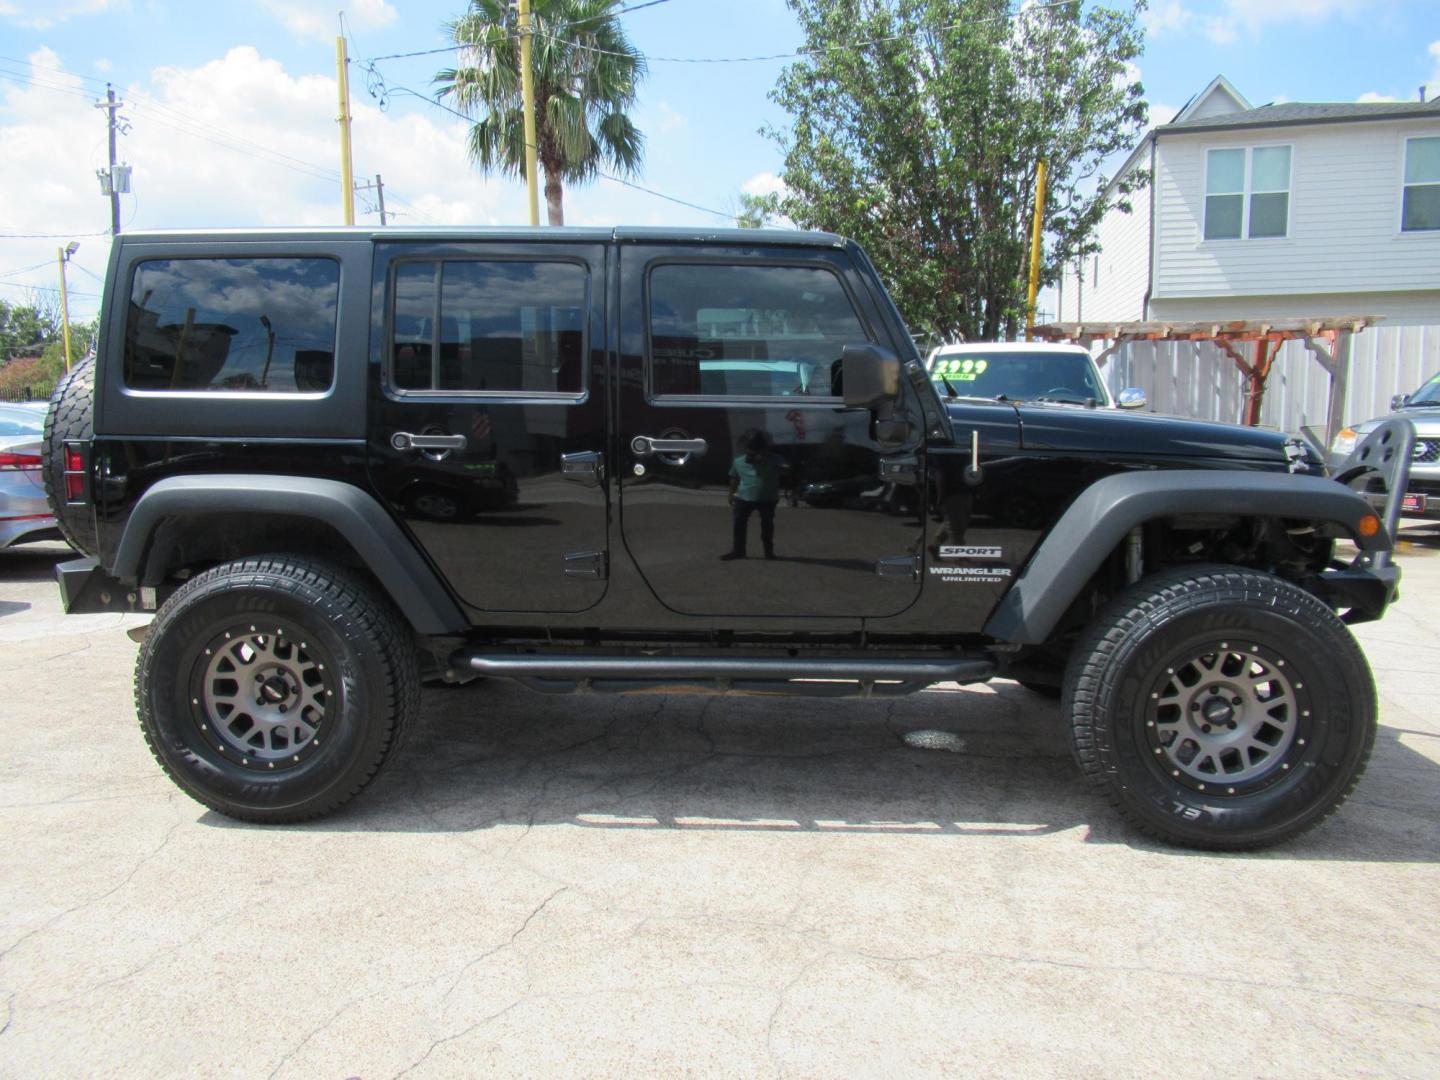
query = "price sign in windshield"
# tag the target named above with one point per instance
(960, 370)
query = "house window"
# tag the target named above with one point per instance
(1247, 193)
(1420, 204)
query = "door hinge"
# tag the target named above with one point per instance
(900, 568)
(585, 467)
(900, 470)
(586, 564)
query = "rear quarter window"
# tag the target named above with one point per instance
(254, 325)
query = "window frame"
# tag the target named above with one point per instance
(1248, 192)
(441, 393)
(141, 260)
(827, 401)
(1405, 141)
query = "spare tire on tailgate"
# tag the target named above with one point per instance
(71, 416)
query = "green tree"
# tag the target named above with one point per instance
(922, 145)
(586, 74)
(25, 325)
(757, 211)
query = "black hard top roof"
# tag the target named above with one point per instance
(567, 234)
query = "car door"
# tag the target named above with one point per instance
(487, 423)
(730, 428)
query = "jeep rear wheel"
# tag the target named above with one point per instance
(70, 417)
(275, 689)
(1221, 708)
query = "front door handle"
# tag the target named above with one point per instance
(403, 440)
(643, 445)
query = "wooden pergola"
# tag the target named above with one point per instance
(1329, 339)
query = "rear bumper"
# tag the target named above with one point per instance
(86, 589)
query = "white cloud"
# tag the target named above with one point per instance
(1243, 16)
(764, 183)
(41, 16)
(1167, 16)
(1161, 113)
(316, 19)
(241, 141)
(1431, 83)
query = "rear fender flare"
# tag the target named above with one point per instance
(1096, 522)
(382, 545)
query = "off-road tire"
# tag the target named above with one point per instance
(352, 644)
(71, 416)
(1133, 659)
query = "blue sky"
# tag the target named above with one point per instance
(231, 107)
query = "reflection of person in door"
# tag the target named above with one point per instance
(754, 486)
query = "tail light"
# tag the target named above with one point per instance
(11, 460)
(74, 475)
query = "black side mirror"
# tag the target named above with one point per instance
(870, 378)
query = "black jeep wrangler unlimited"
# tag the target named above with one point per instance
(338, 462)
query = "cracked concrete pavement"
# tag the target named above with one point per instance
(695, 885)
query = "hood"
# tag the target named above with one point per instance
(1109, 431)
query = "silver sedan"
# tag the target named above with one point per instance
(24, 513)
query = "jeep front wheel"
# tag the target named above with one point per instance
(1221, 708)
(274, 689)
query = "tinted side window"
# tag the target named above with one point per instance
(503, 327)
(264, 324)
(748, 331)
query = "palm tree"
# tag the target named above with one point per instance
(586, 72)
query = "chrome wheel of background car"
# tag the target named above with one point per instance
(1224, 716)
(264, 694)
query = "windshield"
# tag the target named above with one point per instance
(1429, 394)
(1020, 376)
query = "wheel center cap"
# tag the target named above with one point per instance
(1217, 711)
(274, 690)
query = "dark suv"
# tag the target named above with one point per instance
(338, 462)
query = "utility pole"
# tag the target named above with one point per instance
(527, 91)
(109, 186)
(1037, 230)
(347, 167)
(61, 255)
(379, 188)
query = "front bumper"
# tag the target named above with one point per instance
(1362, 590)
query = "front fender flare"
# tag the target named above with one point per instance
(356, 515)
(1096, 522)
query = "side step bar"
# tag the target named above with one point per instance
(808, 676)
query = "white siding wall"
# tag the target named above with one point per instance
(1124, 267)
(1344, 217)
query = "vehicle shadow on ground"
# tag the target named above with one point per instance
(34, 562)
(993, 761)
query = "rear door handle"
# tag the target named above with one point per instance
(643, 445)
(403, 440)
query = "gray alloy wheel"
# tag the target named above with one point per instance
(1227, 715)
(266, 693)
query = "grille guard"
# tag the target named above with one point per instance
(1379, 469)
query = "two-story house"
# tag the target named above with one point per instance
(1294, 209)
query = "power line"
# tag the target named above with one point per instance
(511, 37)
(384, 88)
(846, 46)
